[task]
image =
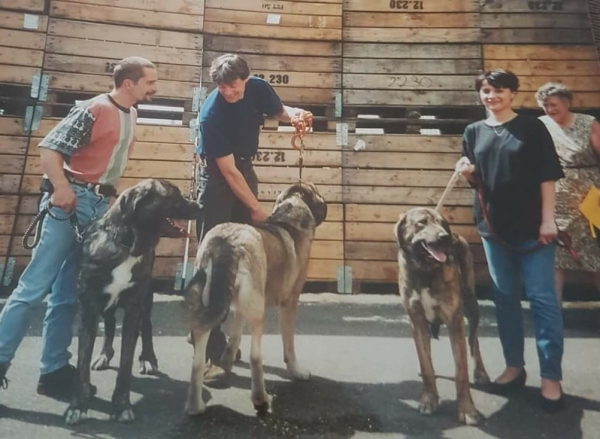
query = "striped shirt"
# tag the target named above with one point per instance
(96, 138)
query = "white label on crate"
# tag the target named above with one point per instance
(360, 145)
(273, 18)
(31, 21)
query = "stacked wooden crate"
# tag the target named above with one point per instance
(542, 41)
(23, 28)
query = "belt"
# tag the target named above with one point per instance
(106, 190)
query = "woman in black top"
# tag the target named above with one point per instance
(511, 160)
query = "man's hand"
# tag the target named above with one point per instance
(64, 197)
(548, 232)
(258, 216)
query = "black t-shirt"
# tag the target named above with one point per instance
(511, 160)
(234, 128)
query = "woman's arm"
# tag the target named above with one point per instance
(595, 137)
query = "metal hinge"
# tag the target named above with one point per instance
(8, 272)
(193, 131)
(344, 279)
(338, 103)
(198, 97)
(180, 283)
(341, 134)
(33, 116)
(39, 86)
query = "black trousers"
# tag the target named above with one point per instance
(219, 205)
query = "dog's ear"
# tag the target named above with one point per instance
(399, 229)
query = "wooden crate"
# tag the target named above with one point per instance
(297, 20)
(302, 74)
(413, 21)
(182, 15)
(24, 5)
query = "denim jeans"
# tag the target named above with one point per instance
(537, 273)
(53, 269)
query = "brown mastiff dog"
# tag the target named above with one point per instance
(246, 268)
(437, 282)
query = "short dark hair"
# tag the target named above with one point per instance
(498, 78)
(229, 68)
(131, 68)
(553, 89)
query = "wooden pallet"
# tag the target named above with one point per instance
(299, 20)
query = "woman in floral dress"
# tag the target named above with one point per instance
(577, 140)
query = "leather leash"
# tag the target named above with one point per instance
(302, 125)
(38, 221)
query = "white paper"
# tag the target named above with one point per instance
(360, 145)
(31, 21)
(273, 18)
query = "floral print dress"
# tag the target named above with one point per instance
(581, 170)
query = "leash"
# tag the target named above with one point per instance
(38, 221)
(302, 125)
(449, 187)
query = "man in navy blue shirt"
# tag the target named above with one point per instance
(229, 125)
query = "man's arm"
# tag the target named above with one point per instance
(287, 113)
(240, 188)
(548, 229)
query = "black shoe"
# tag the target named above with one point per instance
(553, 405)
(510, 387)
(3, 380)
(60, 384)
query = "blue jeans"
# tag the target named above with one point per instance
(537, 270)
(53, 269)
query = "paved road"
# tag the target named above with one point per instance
(365, 383)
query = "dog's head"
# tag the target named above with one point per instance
(157, 204)
(309, 194)
(425, 234)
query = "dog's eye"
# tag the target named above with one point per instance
(422, 223)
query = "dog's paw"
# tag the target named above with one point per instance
(298, 373)
(74, 416)
(428, 404)
(124, 415)
(102, 362)
(469, 416)
(148, 367)
(195, 409)
(261, 403)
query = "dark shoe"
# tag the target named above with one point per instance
(60, 384)
(553, 405)
(511, 387)
(3, 380)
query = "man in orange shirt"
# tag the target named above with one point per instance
(82, 158)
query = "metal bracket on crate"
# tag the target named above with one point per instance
(33, 116)
(8, 272)
(193, 130)
(341, 134)
(189, 271)
(338, 103)
(39, 87)
(198, 97)
(344, 279)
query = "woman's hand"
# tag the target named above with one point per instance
(548, 232)
(464, 166)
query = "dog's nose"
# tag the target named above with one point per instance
(444, 237)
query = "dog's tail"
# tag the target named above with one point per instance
(211, 288)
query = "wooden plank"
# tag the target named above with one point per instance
(11, 126)
(327, 250)
(398, 19)
(385, 232)
(564, 68)
(219, 28)
(108, 32)
(8, 204)
(107, 49)
(540, 7)
(104, 66)
(127, 16)
(319, 21)
(412, 51)
(574, 83)
(580, 100)
(24, 5)
(330, 231)
(406, 143)
(270, 47)
(313, 141)
(16, 20)
(412, 35)
(270, 191)
(272, 174)
(371, 213)
(296, 95)
(100, 84)
(26, 40)
(285, 158)
(17, 74)
(21, 57)
(397, 67)
(403, 195)
(11, 164)
(9, 184)
(534, 52)
(412, 6)
(404, 178)
(553, 20)
(533, 36)
(408, 82)
(286, 64)
(6, 224)
(278, 7)
(295, 79)
(187, 7)
(409, 98)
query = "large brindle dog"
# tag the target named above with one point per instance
(437, 283)
(246, 268)
(116, 266)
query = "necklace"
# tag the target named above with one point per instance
(498, 133)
